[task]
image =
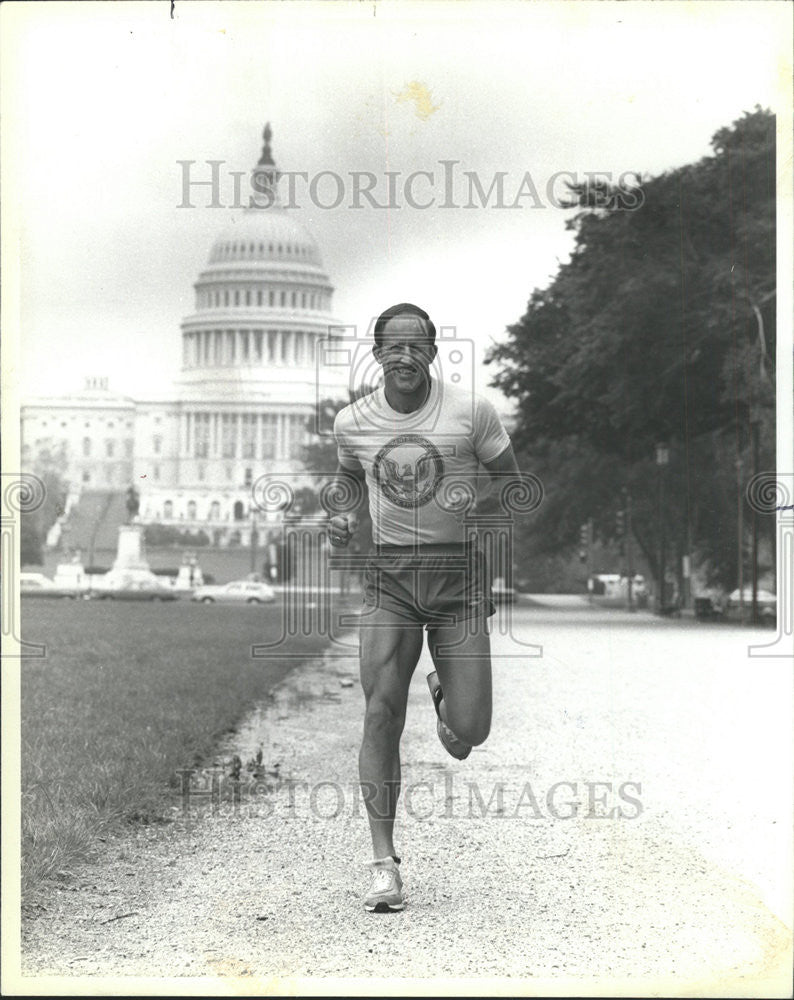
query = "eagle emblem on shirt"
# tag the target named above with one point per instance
(408, 470)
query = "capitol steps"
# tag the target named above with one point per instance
(94, 521)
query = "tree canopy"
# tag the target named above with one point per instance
(660, 327)
(50, 467)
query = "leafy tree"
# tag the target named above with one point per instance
(49, 464)
(31, 551)
(659, 328)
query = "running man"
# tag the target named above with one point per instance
(411, 441)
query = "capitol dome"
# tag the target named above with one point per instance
(264, 268)
(269, 235)
(263, 304)
(253, 348)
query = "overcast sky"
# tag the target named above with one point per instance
(101, 101)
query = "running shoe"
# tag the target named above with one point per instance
(386, 892)
(455, 748)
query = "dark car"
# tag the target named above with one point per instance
(136, 593)
(128, 588)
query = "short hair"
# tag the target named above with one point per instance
(403, 309)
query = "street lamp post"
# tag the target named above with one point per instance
(254, 540)
(739, 535)
(754, 429)
(629, 550)
(662, 458)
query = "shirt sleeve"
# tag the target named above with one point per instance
(344, 449)
(490, 436)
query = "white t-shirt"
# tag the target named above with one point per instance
(413, 462)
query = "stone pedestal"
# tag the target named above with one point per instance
(130, 568)
(130, 554)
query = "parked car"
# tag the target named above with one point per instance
(708, 608)
(136, 592)
(501, 593)
(766, 603)
(639, 591)
(245, 591)
(39, 585)
(613, 589)
(132, 586)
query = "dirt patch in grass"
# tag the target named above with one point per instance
(127, 695)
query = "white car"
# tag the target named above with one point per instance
(245, 591)
(501, 593)
(766, 603)
(39, 585)
(35, 581)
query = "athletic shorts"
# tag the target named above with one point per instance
(430, 585)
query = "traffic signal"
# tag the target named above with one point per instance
(584, 542)
(620, 523)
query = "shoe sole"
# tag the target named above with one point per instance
(436, 694)
(385, 908)
(435, 689)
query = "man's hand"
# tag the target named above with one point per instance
(345, 492)
(341, 529)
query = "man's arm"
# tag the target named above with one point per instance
(504, 474)
(346, 483)
(502, 468)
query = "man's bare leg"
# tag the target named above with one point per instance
(390, 649)
(462, 657)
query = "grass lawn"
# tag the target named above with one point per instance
(128, 693)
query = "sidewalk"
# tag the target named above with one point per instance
(503, 879)
(500, 881)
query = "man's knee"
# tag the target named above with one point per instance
(472, 727)
(474, 733)
(384, 713)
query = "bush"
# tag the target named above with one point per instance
(31, 551)
(162, 535)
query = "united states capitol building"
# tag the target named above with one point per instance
(249, 382)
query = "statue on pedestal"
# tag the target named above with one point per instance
(133, 504)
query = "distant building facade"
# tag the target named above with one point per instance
(248, 384)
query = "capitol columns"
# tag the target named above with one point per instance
(215, 449)
(281, 437)
(184, 436)
(256, 416)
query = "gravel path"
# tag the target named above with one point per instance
(684, 894)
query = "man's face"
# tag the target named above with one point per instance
(405, 353)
